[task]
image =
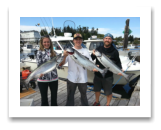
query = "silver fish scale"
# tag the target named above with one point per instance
(109, 64)
(84, 62)
(43, 69)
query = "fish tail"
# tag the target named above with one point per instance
(129, 77)
(104, 72)
(27, 81)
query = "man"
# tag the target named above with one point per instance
(77, 75)
(111, 52)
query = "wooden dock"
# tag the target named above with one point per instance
(62, 95)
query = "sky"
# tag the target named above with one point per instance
(140, 21)
(113, 25)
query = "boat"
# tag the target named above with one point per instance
(62, 42)
(129, 64)
(130, 46)
(59, 44)
(119, 46)
(37, 47)
(28, 47)
(21, 49)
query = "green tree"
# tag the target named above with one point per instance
(118, 39)
(115, 43)
(130, 38)
(51, 32)
(43, 32)
(137, 38)
(100, 36)
(136, 42)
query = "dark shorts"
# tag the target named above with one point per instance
(105, 83)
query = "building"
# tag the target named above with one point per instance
(29, 36)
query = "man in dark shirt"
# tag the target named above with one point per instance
(111, 52)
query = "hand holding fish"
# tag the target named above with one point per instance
(65, 54)
(94, 70)
(93, 52)
(120, 73)
(41, 75)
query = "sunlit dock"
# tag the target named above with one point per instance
(62, 95)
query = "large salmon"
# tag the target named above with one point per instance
(84, 61)
(45, 68)
(110, 65)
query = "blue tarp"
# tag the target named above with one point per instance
(127, 87)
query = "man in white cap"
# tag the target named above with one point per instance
(106, 83)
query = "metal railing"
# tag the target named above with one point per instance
(132, 60)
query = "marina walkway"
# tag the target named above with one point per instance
(62, 95)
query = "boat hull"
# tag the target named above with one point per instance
(63, 73)
(29, 50)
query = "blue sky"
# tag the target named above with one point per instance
(113, 25)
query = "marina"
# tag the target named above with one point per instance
(125, 92)
(134, 100)
(60, 43)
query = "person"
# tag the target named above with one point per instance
(50, 79)
(77, 75)
(106, 83)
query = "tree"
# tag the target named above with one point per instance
(118, 39)
(130, 38)
(100, 36)
(43, 32)
(137, 38)
(51, 32)
(136, 42)
(115, 43)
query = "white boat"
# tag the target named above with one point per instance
(127, 63)
(62, 42)
(130, 46)
(119, 46)
(21, 49)
(37, 47)
(28, 47)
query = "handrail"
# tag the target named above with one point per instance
(133, 59)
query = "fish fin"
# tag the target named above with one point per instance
(83, 68)
(104, 71)
(129, 77)
(26, 83)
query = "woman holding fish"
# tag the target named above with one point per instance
(50, 79)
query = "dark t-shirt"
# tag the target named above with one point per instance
(111, 53)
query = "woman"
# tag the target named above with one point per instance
(50, 79)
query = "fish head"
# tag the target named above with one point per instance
(70, 50)
(97, 53)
